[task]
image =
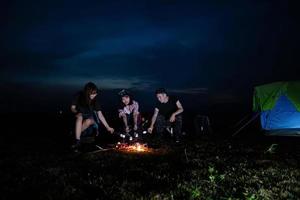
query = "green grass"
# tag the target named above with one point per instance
(200, 169)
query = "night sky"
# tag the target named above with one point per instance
(50, 49)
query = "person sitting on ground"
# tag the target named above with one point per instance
(129, 111)
(167, 114)
(84, 105)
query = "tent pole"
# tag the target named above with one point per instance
(253, 118)
(242, 120)
(246, 124)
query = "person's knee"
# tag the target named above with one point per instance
(122, 115)
(137, 115)
(79, 116)
(89, 122)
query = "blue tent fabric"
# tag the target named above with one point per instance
(283, 115)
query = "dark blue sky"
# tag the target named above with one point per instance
(49, 49)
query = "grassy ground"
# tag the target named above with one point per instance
(201, 168)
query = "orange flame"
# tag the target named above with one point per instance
(136, 147)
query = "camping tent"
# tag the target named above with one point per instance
(279, 107)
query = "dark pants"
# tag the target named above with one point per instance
(130, 121)
(162, 123)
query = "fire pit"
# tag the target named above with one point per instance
(133, 143)
(140, 148)
(134, 147)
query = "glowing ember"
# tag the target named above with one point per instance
(136, 147)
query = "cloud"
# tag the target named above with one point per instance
(226, 96)
(103, 82)
(190, 90)
(125, 44)
(136, 83)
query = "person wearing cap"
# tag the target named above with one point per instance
(167, 114)
(129, 111)
(84, 104)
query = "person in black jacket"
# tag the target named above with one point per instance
(167, 114)
(84, 105)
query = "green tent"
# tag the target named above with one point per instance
(278, 105)
(266, 96)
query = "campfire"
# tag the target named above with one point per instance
(135, 147)
(132, 143)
